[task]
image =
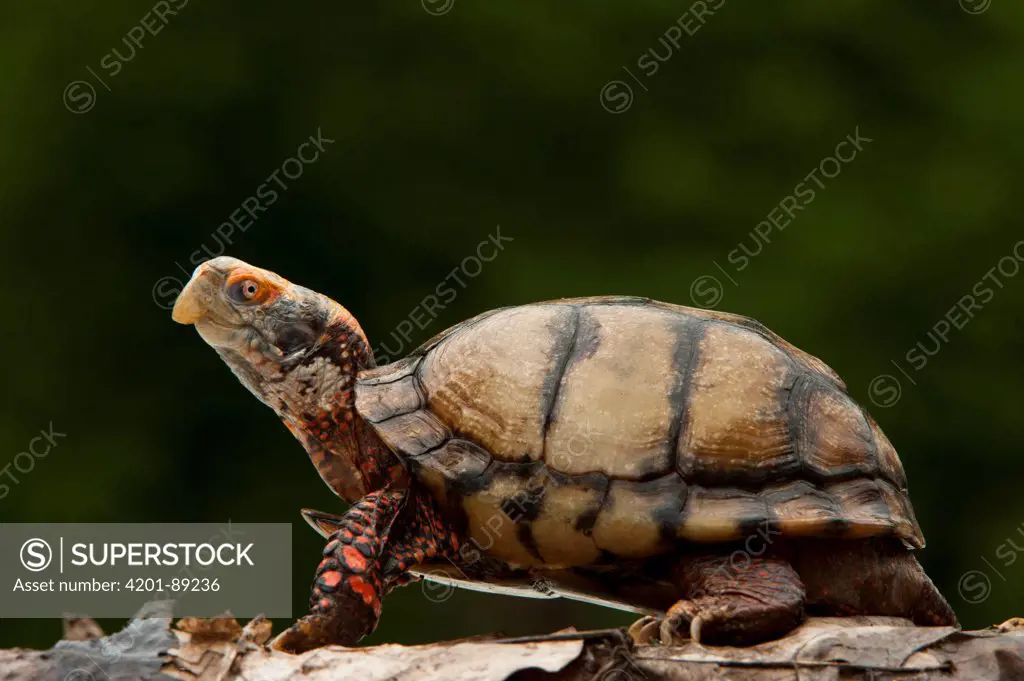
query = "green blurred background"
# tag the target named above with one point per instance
(451, 119)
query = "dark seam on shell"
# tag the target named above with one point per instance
(420, 401)
(431, 450)
(524, 533)
(798, 391)
(553, 382)
(464, 487)
(638, 301)
(682, 390)
(413, 365)
(527, 508)
(872, 441)
(586, 520)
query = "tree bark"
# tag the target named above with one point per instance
(824, 649)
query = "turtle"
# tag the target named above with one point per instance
(684, 464)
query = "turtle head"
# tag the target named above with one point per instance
(298, 351)
(264, 326)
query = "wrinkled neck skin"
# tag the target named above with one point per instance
(313, 394)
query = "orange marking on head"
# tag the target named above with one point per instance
(268, 288)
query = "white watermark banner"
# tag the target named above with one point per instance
(111, 569)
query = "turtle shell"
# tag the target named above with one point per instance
(565, 431)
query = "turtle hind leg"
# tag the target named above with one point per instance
(870, 577)
(739, 603)
(930, 608)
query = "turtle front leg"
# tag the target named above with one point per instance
(730, 604)
(426, 538)
(349, 583)
(366, 556)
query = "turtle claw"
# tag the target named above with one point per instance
(669, 632)
(311, 632)
(677, 626)
(695, 626)
(644, 631)
(680, 620)
(297, 639)
(285, 643)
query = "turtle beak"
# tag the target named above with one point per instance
(202, 298)
(195, 299)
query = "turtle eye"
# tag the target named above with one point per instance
(245, 291)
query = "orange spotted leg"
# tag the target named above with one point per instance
(426, 538)
(349, 585)
(366, 556)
